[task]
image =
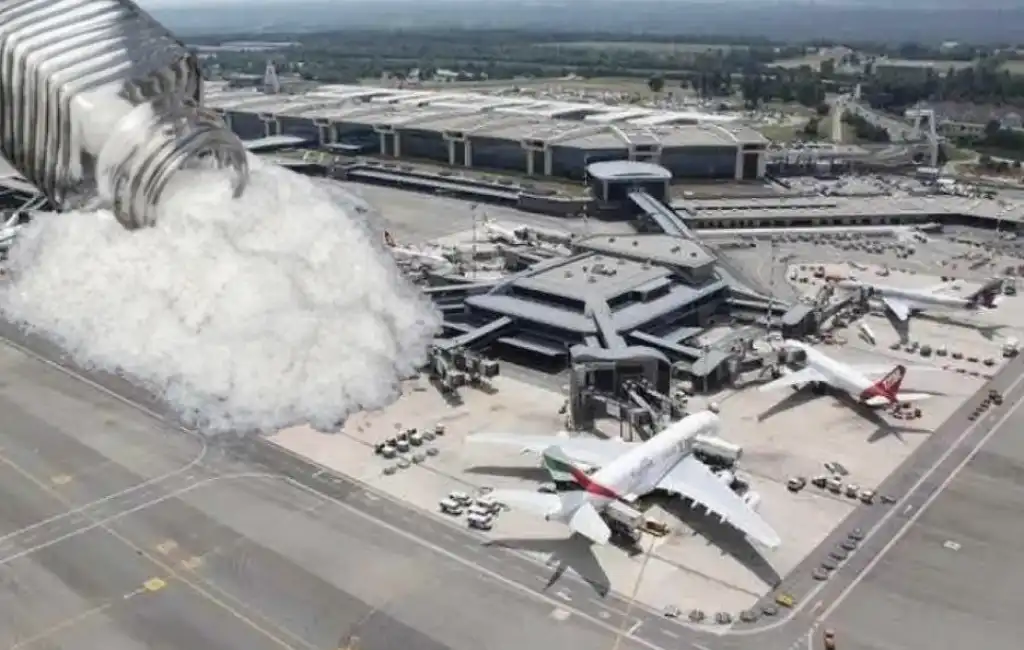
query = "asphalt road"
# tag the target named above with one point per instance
(139, 534)
(951, 580)
(119, 531)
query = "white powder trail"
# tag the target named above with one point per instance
(247, 314)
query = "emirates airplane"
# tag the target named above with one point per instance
(626, 471)
(855, 380)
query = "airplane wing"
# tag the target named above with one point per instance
(591, 451)
(874, 369)
(801, 376)
(899, 309)
(692, 479)
(537, 503)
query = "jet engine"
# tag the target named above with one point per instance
(721, 450)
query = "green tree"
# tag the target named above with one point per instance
(656, 84)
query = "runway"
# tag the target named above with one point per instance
(119, 532)
(950, 581)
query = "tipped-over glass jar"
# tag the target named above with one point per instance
(99, 102)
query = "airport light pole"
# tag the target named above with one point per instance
(632, 598)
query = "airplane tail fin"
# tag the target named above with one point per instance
(561, 467)
(887, 388)
(986, 295)
(574, 509)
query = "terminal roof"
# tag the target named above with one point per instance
(664, 250)
(628, 170)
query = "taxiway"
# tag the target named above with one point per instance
(118, 531)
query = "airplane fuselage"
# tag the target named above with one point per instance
(915, 300)
(641, 469)
(838, 375)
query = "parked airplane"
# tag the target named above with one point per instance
(854, 379)
(626, 471)
(905, 302)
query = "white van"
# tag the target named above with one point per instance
(480, 522)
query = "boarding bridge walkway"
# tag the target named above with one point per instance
(669, 221)
(665, 217)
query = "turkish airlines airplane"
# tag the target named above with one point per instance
(905, 302)
(626, 471)
(854, 379)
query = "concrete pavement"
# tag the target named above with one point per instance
(118, 531)
(225, 543)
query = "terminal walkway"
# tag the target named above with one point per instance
(665, 217)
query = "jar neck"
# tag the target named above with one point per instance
(154, 141)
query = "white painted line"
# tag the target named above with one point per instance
(902, 502)
(669, 633)
(99, 523)
(478, 568)
(924, 506)
(634, 627)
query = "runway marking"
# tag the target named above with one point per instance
(927, 474)
(110, 497)
(634, 627)
(192, 563)
(163, 566)
(60, 479)
(99, 523)
(560, 614)
(924, 506)
(199, 458)
(166, 548)
(78, 618)
(60, 627)
(154, 584)
(669, 633)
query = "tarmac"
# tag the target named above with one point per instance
(119, 530)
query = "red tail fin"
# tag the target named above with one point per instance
(986, 296)
(888, 386)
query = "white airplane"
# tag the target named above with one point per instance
(905, 302)
(853, 379)
(626, 471)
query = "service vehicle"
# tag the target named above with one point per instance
(451, 507)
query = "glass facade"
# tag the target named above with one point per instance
(700, 162)
(300, 127)
(712, 162)
(427, 145)
(247, 126)
(492, 153)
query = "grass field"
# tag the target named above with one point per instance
(1014, 67)
(642, 46)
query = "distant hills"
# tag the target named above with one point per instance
(994, 21)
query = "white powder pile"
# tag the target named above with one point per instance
(245, 314)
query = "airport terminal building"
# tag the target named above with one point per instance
(517, 134)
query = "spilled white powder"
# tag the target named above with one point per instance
(245, 314)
